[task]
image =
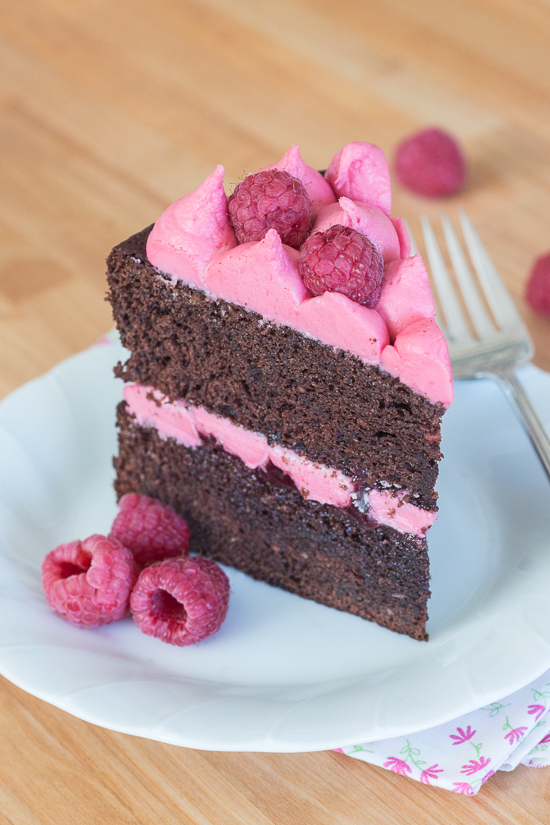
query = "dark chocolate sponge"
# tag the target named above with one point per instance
(260, 524)
(271, 379)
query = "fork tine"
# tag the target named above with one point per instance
(470, 293)
(457, 327)
(498, 298)
(414, 251)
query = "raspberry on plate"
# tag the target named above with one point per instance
(181, 601)
(150, 529)
(342, 260)
(430, 163)
(271, 199)
(537, 290)
(89, 582)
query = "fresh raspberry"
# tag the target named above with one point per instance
(89, 582)
(537, 290)
(150, 529)
(342, 260)
(181, 601)
(430, 163)
(271, 199)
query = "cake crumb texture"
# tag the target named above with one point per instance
(257, 523)
(272, 379)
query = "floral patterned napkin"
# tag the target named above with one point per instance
(461, 755)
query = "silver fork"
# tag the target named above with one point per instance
(496, 349)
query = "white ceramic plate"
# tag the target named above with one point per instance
(283, 674)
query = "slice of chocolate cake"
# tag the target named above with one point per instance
(297, 431)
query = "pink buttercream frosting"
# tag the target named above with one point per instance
(364, 218)
(277, 294)
(420, 359)
(390, 508)
(193, 241)
(403, 235)
(360, 171)
(186, 424)
(192, 231)
(406, 295)
(281, 296)
(319, 190)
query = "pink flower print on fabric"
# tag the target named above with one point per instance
(463, 787)
(397, 766)
(430, 773)
(536, 710)
(515, 735)
(475, 765)
(463, 735)
(504, 731)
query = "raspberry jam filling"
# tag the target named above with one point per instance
(188, 425)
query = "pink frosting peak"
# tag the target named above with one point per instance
(264, 277)
(364, 218)
(192, 231)
(260, 275)
(360, 171)
(319, 190)
(406, 295)
(403, 235)
(339, 322)
(419, 357)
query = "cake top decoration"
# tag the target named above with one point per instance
(360, 172)
(192, 231)
(319, 190)
(271, 199)
(287, 206)
(342, 260)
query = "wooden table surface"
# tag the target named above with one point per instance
(111, 109)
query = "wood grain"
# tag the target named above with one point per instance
(109, 110)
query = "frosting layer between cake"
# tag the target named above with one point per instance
(241, 518)
(190, 425)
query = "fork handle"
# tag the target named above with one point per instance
(526, 412)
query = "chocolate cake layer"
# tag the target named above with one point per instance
(317, 400)
(260, 524)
